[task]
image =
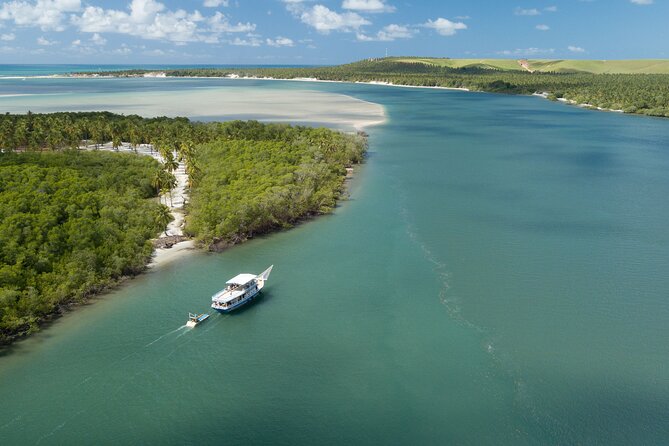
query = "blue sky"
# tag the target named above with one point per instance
(326, 31)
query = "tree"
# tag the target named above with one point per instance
(170, 164)
(164, 217)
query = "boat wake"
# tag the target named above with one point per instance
(439, 267)
(183, 327)
(58, 427)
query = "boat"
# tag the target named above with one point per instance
(194, 319)
(239, 290)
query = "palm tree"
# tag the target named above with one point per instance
(135, 137)
(164, 217)
(98, 132)
(170, 183)
(158, 180)
(193, 172)
(164, 182)
(170, 164)
(7, 138)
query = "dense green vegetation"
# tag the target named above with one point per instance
(71, 223)
(259, 177)
(641, 66)
(646, 94)
(57, 131)
(74, 222)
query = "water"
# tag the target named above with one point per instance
(27, 70)
(499, 276)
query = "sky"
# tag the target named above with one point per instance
(323, 32)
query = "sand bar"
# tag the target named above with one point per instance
(215, 103)
(218, 103)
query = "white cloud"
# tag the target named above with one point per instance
(543, 27)
(122, 51)
(280, 41)
(521, 11)
(48, 15)
(7, 37)
(219, 23)
(551, 9)
(155, 53)
(444, 26)
(576, 49)
(216, 3)
(97, 39)
(368, 6)
(527, 52)
(252, 41)
(45, 42)
(145, 19)
(642, 2)
(150, 19)
(325, 20)
(388, 34)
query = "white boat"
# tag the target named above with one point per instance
(194, 319)
(239, 290)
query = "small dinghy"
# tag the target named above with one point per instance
(195, 319)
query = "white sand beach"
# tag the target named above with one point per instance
(175, 202)
(225, 103)
(214, 103)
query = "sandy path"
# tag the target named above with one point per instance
(176, 203)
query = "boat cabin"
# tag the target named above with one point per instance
(239, 290)
(240, 281)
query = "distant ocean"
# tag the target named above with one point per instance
(9, 70)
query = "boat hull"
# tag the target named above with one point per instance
(240, 304)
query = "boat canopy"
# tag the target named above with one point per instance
(241, 279)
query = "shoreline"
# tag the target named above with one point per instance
(254, 78)
(163, 75)
(162, 256)
(587, 106)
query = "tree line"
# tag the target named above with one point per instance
(74, 222)
(646, 94)
(264, 177)
(71, 224)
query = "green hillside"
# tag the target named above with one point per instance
(493, 64)
(642, 66)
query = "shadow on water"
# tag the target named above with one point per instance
(644, 415)
(595, 162)
(259, 300)
(551, 226)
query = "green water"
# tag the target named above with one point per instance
(500, 276)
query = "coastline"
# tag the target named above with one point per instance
(588, 106)
(163, 255)
(161, 75)
(359, 120)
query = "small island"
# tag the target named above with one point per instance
(75, 219)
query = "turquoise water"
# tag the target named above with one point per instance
(499, 276)
(13, 70)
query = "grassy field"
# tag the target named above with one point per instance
(644, 66)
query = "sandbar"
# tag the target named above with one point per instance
(305, 107)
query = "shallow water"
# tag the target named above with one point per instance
(199, 99)
(499, 276)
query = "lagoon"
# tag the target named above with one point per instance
(498, 276)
